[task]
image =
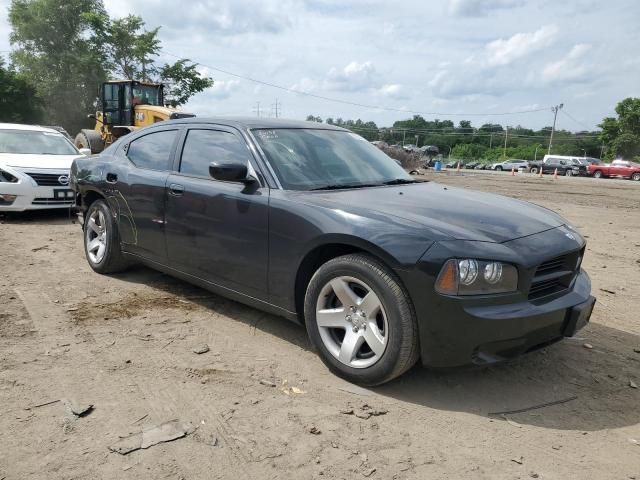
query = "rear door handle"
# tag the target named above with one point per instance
(112, 178)
(176, 189)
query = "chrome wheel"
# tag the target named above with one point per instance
(352, 322)
(95, 236)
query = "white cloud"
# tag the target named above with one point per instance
(504, 52)
(305, 85)
(392, 90)
(353, 77)
(571, 68)
(480, 8)
(222, 89)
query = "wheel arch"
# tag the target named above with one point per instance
(327, 249)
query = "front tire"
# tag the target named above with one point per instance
(102, 240)
(568, 172)
(635, 177)
(499, 168)
(533, 170)
(89, 139)
(361, 320)
(597, 174)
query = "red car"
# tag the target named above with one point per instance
(617, 168)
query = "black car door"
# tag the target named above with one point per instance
(139, 191)
(217, 230)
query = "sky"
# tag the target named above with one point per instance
(449, 59)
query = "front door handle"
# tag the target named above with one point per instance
(176, 189)
(112, 178)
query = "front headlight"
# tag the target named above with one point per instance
(7, 177)
(468, 276)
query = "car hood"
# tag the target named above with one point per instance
(37, 161)
(449, 213)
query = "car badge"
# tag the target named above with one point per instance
(63, 180)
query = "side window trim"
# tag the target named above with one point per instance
(172, 152)
(253, 168)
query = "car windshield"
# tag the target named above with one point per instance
(35, 142)
(315, 159)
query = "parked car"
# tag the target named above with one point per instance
(481, 166)
(451, 165)
(471, 165)
(617, 168)
(510, 164)
(583, 163)
(313, 223)
(565, 165)
(409, 147)
(34, 168)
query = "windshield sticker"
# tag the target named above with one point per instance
(267, 134)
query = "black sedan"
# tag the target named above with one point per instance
(312, 222)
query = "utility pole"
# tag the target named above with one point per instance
(506, 135)
(275, 108)
(601, 151)
(554, 109)
(256, 109)
(404, 136)
(490, 141)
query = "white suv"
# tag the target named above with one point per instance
(34, 168)
(510, 164)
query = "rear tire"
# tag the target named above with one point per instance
(597, 174)
(102, 240)
(499, 168)
(374, 338)
(533, 170)
(89, 139)
(568, 172)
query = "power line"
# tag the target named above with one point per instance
(575, 120)
(454, 134)
(356, 104)
(450, 133)
(275, 109)
(256, 109)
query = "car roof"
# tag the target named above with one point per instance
(254, 122)
(30, 128)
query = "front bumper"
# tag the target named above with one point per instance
(485, 329)
(31, 196)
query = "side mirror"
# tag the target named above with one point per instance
(85, 151)
(230, 172)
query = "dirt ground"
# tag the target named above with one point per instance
(262, 405)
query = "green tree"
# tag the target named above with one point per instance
(132, 51)
(19, 101)
(54, 50)
(130, 47)
(621, 135)
(182, 81)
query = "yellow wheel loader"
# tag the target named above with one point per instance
(126, 106)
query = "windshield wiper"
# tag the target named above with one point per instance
(400, 181)
(338, 186)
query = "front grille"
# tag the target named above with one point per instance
(49, 179)
(555, 275)
(52, 201)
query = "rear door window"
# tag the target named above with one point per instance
(153, 151)
(201, 147)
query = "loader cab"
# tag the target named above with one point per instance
(120, 98)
